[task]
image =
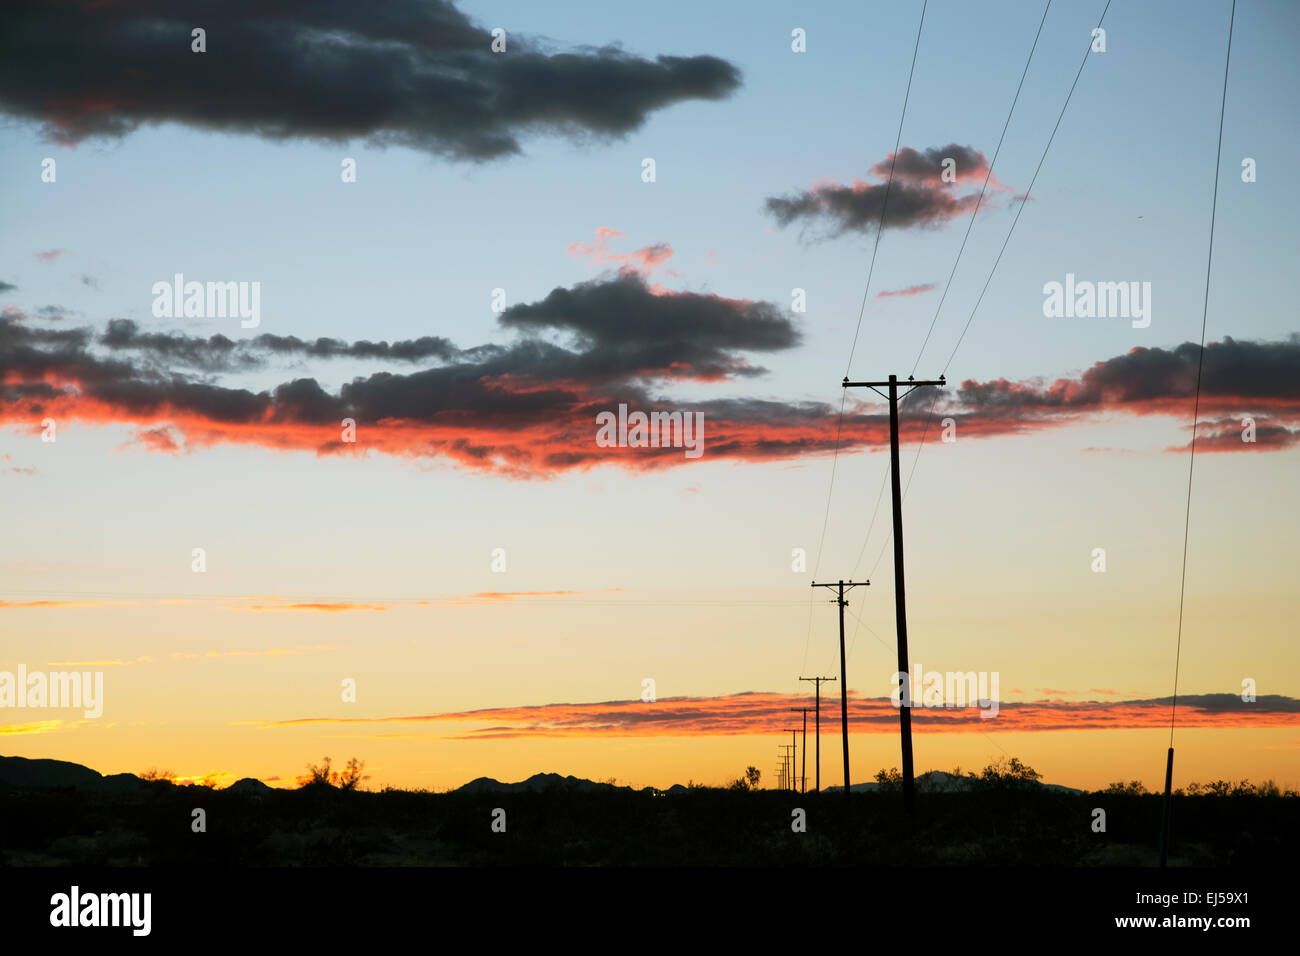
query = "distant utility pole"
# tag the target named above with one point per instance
(787, 763)
(794, 779)
(817, 729)
(844, 694)
(900, 600)
(803, 773)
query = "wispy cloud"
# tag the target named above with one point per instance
(909, 291)
(31, 727)
(762, 713)
(644, 261)
(15, 605)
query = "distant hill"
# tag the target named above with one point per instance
(937, 781)
(251, 786)
(22, 773)
(550, 781)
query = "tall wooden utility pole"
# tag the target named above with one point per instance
(817, 729)
(803, 773)
(1164, 808)
(900, 600)
(844, 693)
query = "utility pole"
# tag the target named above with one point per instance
(803, 773)
(794, 779)
(787, 764)
(844, 693)
(900, 600)
(1164, 808)
(817, 729)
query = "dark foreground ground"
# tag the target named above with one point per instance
(699, 827)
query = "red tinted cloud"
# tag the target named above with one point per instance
(910, 290)
(764, 713)
(531, 408)
(643, 261)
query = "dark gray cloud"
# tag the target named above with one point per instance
(54, 313)
(219, 353)
(1233, 704)
(626, 336)
(917, 196)
(857, 208)
(1263, 371)
(216, 353)
(926, 166)
(406, 350)
(6, 287)
(622, 328)
(410, 72)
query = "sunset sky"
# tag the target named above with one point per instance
(522, 171)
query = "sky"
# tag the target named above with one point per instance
(477, 585)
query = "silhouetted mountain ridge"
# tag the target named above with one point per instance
(939, 781)
(552, 781)
(22, 773)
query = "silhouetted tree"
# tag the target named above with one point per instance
(323, 776)
(891, 779)
(352, 776)
(1132, 788)
(1005, 772)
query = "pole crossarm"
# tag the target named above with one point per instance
(877, 386)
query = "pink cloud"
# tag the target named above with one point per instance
(644, 261)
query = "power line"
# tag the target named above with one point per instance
(983, 189)
(880, 228)
(1016, 219)
(1200, 361)
(1021, 208)
(1191, 461)
(948, 285)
